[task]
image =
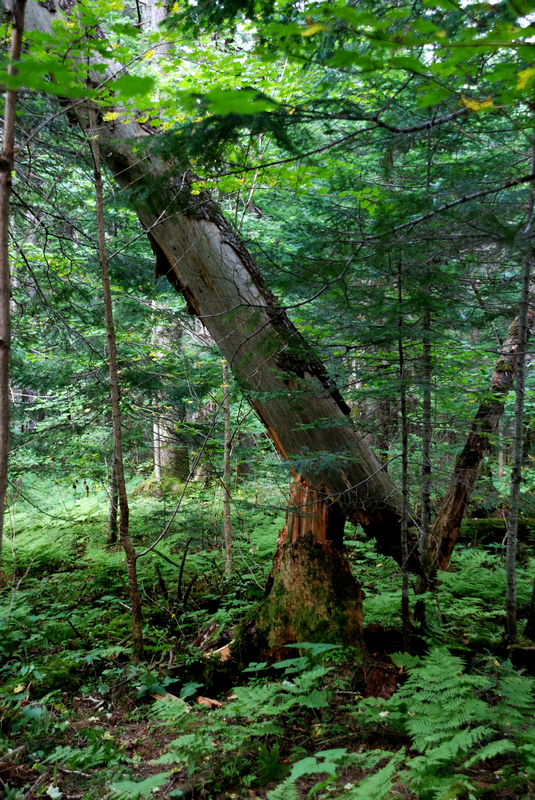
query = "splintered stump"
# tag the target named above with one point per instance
(311, 594)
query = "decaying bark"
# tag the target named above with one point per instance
(311, 592)
(445, 529)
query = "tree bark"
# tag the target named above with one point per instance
(124, 532)
(156, 442)
(518, 447)
(405, 611)
(6, 169)
(174, 455)
(113, 507)
(311, 594)
(227, 522)
(445, 529)
(427, 437)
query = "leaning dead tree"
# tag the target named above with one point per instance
(289, 388)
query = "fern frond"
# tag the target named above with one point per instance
(378, 786)
(490, 750)
(133, 790)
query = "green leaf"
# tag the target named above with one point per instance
(237, 101)
(129, 87)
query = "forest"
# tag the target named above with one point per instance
(267, 404)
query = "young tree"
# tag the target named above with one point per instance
(115, 398)
(227, 521)
(6, 169)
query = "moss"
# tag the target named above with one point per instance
(170, 485)
(314, 597)
(487, 531)
(502, 366)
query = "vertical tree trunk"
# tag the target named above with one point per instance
(244, 467)
(157, 450)
(405, 611)
(518, 442)
(6, 168)
(174, 456)
(227, 522)
(114, 500)
(427, 435)
(501, 450)
(124, 532)
(383, 431)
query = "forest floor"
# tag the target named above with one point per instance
(80, 720)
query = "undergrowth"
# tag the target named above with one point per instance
(88, 724)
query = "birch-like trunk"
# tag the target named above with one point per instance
(124, 530)
(157, 450)
(6, 169)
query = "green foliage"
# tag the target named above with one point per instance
(454, 720)
(134, 790)
(268, 764)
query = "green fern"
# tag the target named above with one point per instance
(286, 790)
(442, 710)
(132, 790)
(378, 785)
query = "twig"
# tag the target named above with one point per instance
(32, 789)
(77, 632)
(74, 772)
(11, 753)
(188, 590)
(181, 573)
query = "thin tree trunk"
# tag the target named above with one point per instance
(501, 450)
(114, 500)
(227, 522)
(6, 168)
(518, 429)
(124, 532)
(518, 442)
(405, 611)
(427, 435)
(157, 450)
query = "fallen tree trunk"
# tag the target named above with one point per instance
(445, 529)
